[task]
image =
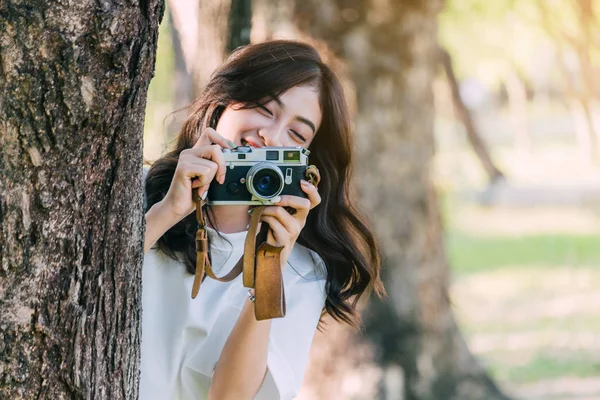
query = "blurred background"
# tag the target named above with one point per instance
(515, 124)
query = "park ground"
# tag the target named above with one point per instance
(525, 257)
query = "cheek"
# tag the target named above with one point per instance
(233, 122)
(227, 125)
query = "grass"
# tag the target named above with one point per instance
(525, 294)
(531, 324)
(470, 254)
(549, 365)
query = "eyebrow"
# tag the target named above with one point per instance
(299, 118)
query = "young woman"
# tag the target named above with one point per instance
(278, 93)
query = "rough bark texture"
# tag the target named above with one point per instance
(390, 51)
(73, 81)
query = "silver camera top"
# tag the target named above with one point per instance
(277, 155)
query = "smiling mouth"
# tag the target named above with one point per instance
(247, 143)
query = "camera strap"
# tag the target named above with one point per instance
(260, 264)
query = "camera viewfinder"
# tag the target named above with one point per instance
(272, 155)
(291, 156)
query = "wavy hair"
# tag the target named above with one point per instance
(334, 229)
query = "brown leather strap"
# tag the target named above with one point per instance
(202, 248)
(249, 260)
(269, 291)
(262, 270)
(201, 260)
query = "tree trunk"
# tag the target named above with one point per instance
(212, 39)
(73, 82)
(517, 103)
(391, 55)
(183, 20)
(202, 37)
(240, 24)
(477, 143)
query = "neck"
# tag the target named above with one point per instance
(231, 219)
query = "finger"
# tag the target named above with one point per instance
(280, 234)
(300, 204)
(201, 174)
(211, 136)
(210, 154)
(198, 184)
(291, 224)
(202, 190)
(313, 194)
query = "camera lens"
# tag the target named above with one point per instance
(265, 181)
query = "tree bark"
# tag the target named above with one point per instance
(391, 54)
(73, 83)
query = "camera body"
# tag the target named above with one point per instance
(259, 176)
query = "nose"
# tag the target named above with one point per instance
(271, 136)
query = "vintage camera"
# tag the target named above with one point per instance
(259, 176)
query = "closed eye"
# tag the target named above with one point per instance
(265, 109)
(298, 136)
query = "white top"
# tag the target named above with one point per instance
(183, 338)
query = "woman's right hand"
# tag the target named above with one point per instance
(195, 170)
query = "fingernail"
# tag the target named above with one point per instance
(221, 179)
(203, 197)
(231, 144)
(305, 183)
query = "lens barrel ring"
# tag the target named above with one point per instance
(266, 189)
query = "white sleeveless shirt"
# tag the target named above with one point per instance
(182, 338)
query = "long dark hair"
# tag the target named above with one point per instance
(334, 229)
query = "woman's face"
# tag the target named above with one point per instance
(290, 120)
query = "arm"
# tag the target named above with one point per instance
(159, 219)
(196, 169)
(242, 365)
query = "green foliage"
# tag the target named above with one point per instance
(487, 37)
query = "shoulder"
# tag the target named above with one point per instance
(307, 264)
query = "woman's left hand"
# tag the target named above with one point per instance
(285, 227)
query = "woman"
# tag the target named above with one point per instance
(277, 93)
